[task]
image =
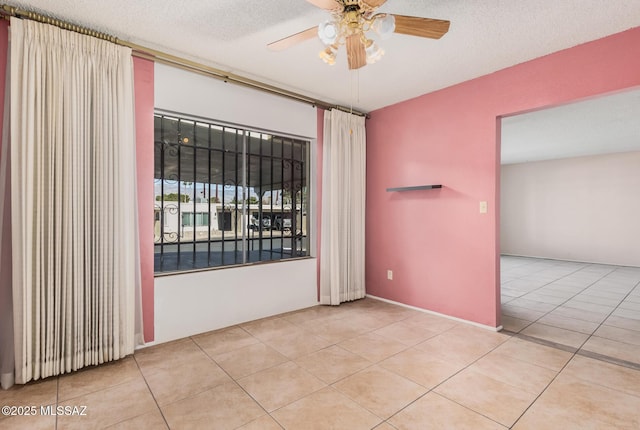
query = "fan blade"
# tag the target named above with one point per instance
(355, 52)
(294, 39)
(374, 3)
(326, 4)
(423, 27)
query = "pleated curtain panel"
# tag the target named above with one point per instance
(67, 170)
(344, 161)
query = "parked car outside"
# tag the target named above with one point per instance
(282, 223)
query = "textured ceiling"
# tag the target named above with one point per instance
(485, 36)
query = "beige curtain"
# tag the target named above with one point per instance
(342, 270)
(73, 198)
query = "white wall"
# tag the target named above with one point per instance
(194, 94)
(198, 302)
(193, 303)
(581, 209)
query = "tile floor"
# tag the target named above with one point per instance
(590, 308)
(362, 365)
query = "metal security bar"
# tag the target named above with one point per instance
(227, 196)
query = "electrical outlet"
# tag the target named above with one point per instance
(483, 207)
(390, 275)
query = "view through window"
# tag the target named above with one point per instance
(227, 196)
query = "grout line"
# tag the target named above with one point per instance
(546, 342)
(151, 392)
(543, 390)
(608, 359)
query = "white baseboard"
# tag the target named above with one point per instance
(426, 311)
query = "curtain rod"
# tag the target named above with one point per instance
(173, 60)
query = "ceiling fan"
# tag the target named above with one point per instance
(350, 23)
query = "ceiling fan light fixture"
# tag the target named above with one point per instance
(328, 32)
(384, 25)
(350, 25)
(373, 51)
(328, 55)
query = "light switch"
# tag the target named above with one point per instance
(483, 207)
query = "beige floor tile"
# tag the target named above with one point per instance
(277, 387)
(556, 335)
(297, 343)
(221, 341)
(572, 324)
(149, 421)
(97, 378)
(32, 422)
(226, 406)
(268, 328)
(619, 334)
(186, 379)
(43, 392)
(612, 348)
(335, 330)
(380, 391)
(431, 322)
(540, 355)
(513, 371)
(490, 337)
(309, 314)
(165, 356)
(571, 403)
(513, 324)
(606, 374)
(398, 313)
(384, 426)
(265, 422)
(377, 319)
(373, 347)
(622, 322)
(333, 363)
(462, 345)
(250, 359)
(409, 334)
(325, 409)
(435, 412)
(110, 406)
(490, 397)
(420, 367)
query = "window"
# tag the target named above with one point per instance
(227, 196)
(202, 219)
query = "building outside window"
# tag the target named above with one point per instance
(227, 196)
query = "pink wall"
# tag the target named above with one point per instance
(143, 77)
(444, 253)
